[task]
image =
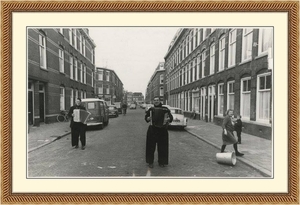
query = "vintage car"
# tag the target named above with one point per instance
(113, 111)
(99, 112)
(178, 118)
(132, 106)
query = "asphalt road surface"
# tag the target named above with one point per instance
(118, 150)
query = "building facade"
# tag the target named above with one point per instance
(211, 70)
(60, 67)
(156, 84)
(108, 85)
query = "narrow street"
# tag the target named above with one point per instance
(118, 150)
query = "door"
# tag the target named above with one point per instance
(42, 102)
(30, 103)
(211, 103)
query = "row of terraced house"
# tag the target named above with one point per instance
(60, 68)
(209, 70)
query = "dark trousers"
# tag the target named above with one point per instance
(159, 137)
(238, 133)
(78, 129)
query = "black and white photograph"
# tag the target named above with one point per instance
(151, 102)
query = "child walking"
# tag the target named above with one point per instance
(238, 128)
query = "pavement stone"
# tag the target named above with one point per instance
(258, 151)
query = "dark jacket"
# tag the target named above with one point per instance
(238, 125)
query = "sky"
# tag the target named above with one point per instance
(132, 52)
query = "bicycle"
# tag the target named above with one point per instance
(63, 116)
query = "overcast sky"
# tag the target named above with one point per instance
(132, 52)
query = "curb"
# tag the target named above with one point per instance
(42, 145)
(262, 170)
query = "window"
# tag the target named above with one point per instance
(71, 68)
(81, 73)
(83, 46)
(72, 97)
(204, 33)
(265, 40)
(221, 99)
(203, 63)
(100, 74)
(263, 105)
(75, 69)
(71, 36)
(42, 48)
(161, 78)
(161, 93)
(100, 89)
(107, 89)
(107, 76)
(84, 74)
(195, 73)
(232, 48)
(230, 95)
(74, 38)
(198, 67)
(76, 93)
(245, 97)
(247, 44)
(61, 60)
(81, 94)
(222, 53)
(62, 98)
(80, 43)
(212, 59)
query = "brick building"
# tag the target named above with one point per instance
(60, 65)
(210, 70)
(156, 85)
(108, 86)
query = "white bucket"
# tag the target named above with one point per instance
(226, 158)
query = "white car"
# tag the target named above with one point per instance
(178, 118)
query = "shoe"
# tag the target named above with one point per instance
(76, 146)
(83, 147)
(150, 165)
(239, 154)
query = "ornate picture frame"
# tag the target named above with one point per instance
(291, 197)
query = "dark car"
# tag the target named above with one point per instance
(113, 111)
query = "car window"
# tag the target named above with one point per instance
(91, 105)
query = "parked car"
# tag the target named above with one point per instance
(113, 111)
(132, 106)
(143, 105)
(178, 118)
(119, 107)
(99, 112)
(148, 106)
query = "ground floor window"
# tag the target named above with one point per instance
(221, 99)
(245, 97)
(62, 98)
(230, 95)
(263, 105)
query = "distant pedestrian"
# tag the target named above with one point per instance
(124, 108)
(77, 128)
(238, 128)
(157, 133)
(227, 134)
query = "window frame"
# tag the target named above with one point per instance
(246, 44)
(229, 94)
(232, 48)
(242, 100)
(263, 120)
(212, 55)
(42, 51)
(222, 53)
(61, 56)
(219, 99)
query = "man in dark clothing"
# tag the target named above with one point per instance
(157, 133)
(124, 108)
(77, 128)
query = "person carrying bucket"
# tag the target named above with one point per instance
(227, 134)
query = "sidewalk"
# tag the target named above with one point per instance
(258, 151)
(46, 133)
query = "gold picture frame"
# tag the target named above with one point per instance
(291, 197)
